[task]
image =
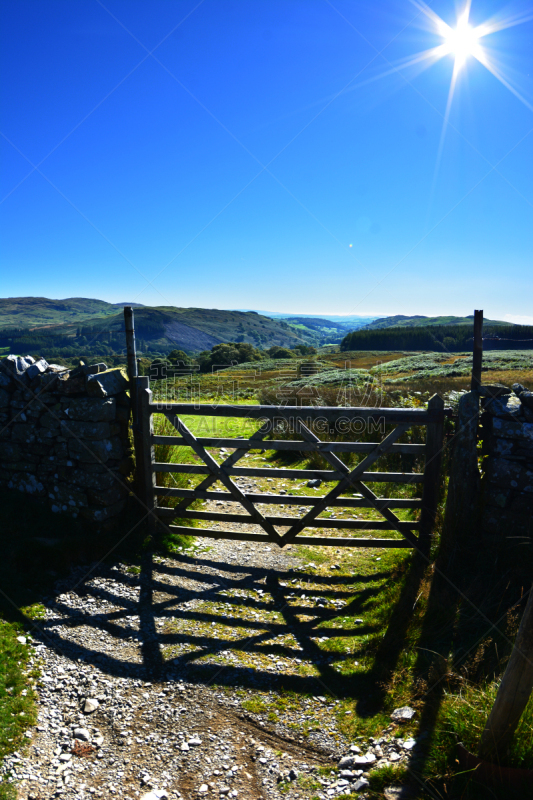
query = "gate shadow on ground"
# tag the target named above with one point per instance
(393, 642)
(253, 641)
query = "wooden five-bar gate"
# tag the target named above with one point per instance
(416, 534)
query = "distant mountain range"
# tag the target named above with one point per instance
(417, 321)
(347, 322)
(43, 323)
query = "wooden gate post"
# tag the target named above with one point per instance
(430, 496)
(145, 454)
(477, 356)
(134, 391)
(130, 342)
(514, 692)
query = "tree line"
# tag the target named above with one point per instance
(440, 338)
(220, 356)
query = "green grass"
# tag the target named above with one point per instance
(18, 708)
(463, 716)
(255, 706)
(385, 776)
(7, 791)
(17, 699)
(308, 783)
(204, 424)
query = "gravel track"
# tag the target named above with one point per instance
(146, 679)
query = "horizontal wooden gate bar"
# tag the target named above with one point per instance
(294, 445)
(288, 499)
(264, 472)
(414, 416)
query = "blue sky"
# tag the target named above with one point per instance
(234, 165)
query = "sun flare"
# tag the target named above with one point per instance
(462, 41)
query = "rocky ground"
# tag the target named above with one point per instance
(157, 682)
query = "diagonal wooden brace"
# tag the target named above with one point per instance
(367, 493)
(230, 461)
(351, 479)
(222, 476)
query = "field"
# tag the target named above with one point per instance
(357, 377)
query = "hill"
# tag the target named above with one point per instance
(417, 321)
(318, 330)
(25, 312)
(66, 327)
(440, 338)
(194, 329)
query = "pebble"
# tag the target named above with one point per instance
(403, 714)
(90, 705)
(81, 733)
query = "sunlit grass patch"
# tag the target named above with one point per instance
(17, 699)
(308, 669)
(211, 426)
(462, 717)
(384, 776)
(255, 705)
(308, 783)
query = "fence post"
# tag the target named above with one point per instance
(430, 495)
(134, 392)
(130, 342)
(477, 356)
(144, 452)
(513, 693)
(132, 369)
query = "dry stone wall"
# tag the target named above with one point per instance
(508, 468)
(64, 436)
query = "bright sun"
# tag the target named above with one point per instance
(462, 41)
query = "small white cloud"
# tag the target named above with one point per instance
(519, 319)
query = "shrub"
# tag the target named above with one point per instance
(280, 352)
(178, 355)
(228, 353)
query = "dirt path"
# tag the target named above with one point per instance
(195, 676)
